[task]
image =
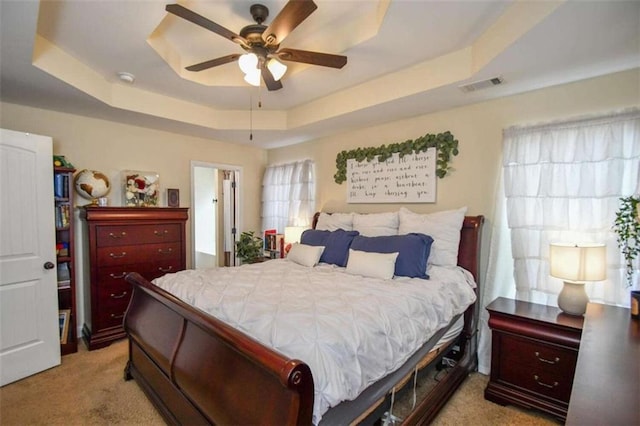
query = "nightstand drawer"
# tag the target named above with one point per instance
(539, 380)
(537, 356)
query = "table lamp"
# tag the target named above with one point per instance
(575, 265)
(292, 235)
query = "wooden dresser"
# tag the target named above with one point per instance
(534, 349)
(119, 240)
(607, 381)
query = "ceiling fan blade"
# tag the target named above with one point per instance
(193, 17)
(269, 81)
(291, 15)
(314, 58)
(213, 62)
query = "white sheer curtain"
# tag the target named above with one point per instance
(562, 183)
(288, 195)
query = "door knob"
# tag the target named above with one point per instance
(49, 265)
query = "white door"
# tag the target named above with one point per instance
(29, 332)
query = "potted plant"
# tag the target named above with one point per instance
(249, 247)
(627, 228)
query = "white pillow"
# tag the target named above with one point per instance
(305, 255)
(376, 224)
(335, 221)
(444, 227)
(373, 265)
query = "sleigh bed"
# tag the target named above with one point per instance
(198, 369)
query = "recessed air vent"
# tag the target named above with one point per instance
(482, 84)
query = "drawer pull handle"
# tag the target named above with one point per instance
(161, 269)
(546, 385)
(548, 361)
(161, 233)
(122, 275)
(119, 296)
(118, 256)
(116, 236)
(167, 251)
(117, 316)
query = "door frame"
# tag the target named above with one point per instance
(218, 166)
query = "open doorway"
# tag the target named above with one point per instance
(215, 213)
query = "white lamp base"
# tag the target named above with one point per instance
(573, 299)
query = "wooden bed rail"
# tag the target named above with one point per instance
(212, 372)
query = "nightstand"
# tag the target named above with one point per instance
(534, 349)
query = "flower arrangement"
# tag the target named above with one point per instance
(141, 189)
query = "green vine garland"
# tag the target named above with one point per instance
(444, 143)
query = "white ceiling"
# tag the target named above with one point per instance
(405, 58)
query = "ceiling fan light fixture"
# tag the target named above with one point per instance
(253, 77)
(277, 68)
(248, 63)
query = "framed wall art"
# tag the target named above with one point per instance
(140, 189)
(173, 197)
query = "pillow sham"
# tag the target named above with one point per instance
(413, 251)
(336, 244)
(335, 221)
(444, 227)
(305, 255)
(370, 264)
(376, 224)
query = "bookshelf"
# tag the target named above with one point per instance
(63, 196)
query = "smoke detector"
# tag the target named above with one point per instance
(481, 84)
(126, 77)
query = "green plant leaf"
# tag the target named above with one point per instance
(446, 146)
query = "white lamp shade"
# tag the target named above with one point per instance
(578, 263)
(248, 63)
(292, 234)
(277, 68)
(253, 78)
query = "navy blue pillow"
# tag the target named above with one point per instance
(336, 244)
(314, 237)
(413, 250)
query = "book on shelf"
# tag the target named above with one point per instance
(64, 284)
(273, 244)
(63, 272)
(63, 216)
(64, 317)
(61, 185)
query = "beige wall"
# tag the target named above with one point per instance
(478, 129)
(112, 147)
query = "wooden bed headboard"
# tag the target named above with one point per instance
(469, 249)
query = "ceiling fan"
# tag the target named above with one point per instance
(262, 43)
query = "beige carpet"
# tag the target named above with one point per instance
(89, 389)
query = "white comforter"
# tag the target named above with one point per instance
(350, 330)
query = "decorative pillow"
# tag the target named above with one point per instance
(444, 227)
(305, 255)
(336, 244)
(413, 251)
(314, 237)
(335, 221)
(373, 265)
(376, 224)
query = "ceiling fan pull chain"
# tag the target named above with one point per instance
(250, 116)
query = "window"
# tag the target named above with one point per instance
(288, 195)
(562, 182)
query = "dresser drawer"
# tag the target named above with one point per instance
(111, 312)
(132, 254)
(122, 235)
(537, 356)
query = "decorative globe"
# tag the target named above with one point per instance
(91, 184)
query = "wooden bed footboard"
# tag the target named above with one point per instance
(198, 370)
